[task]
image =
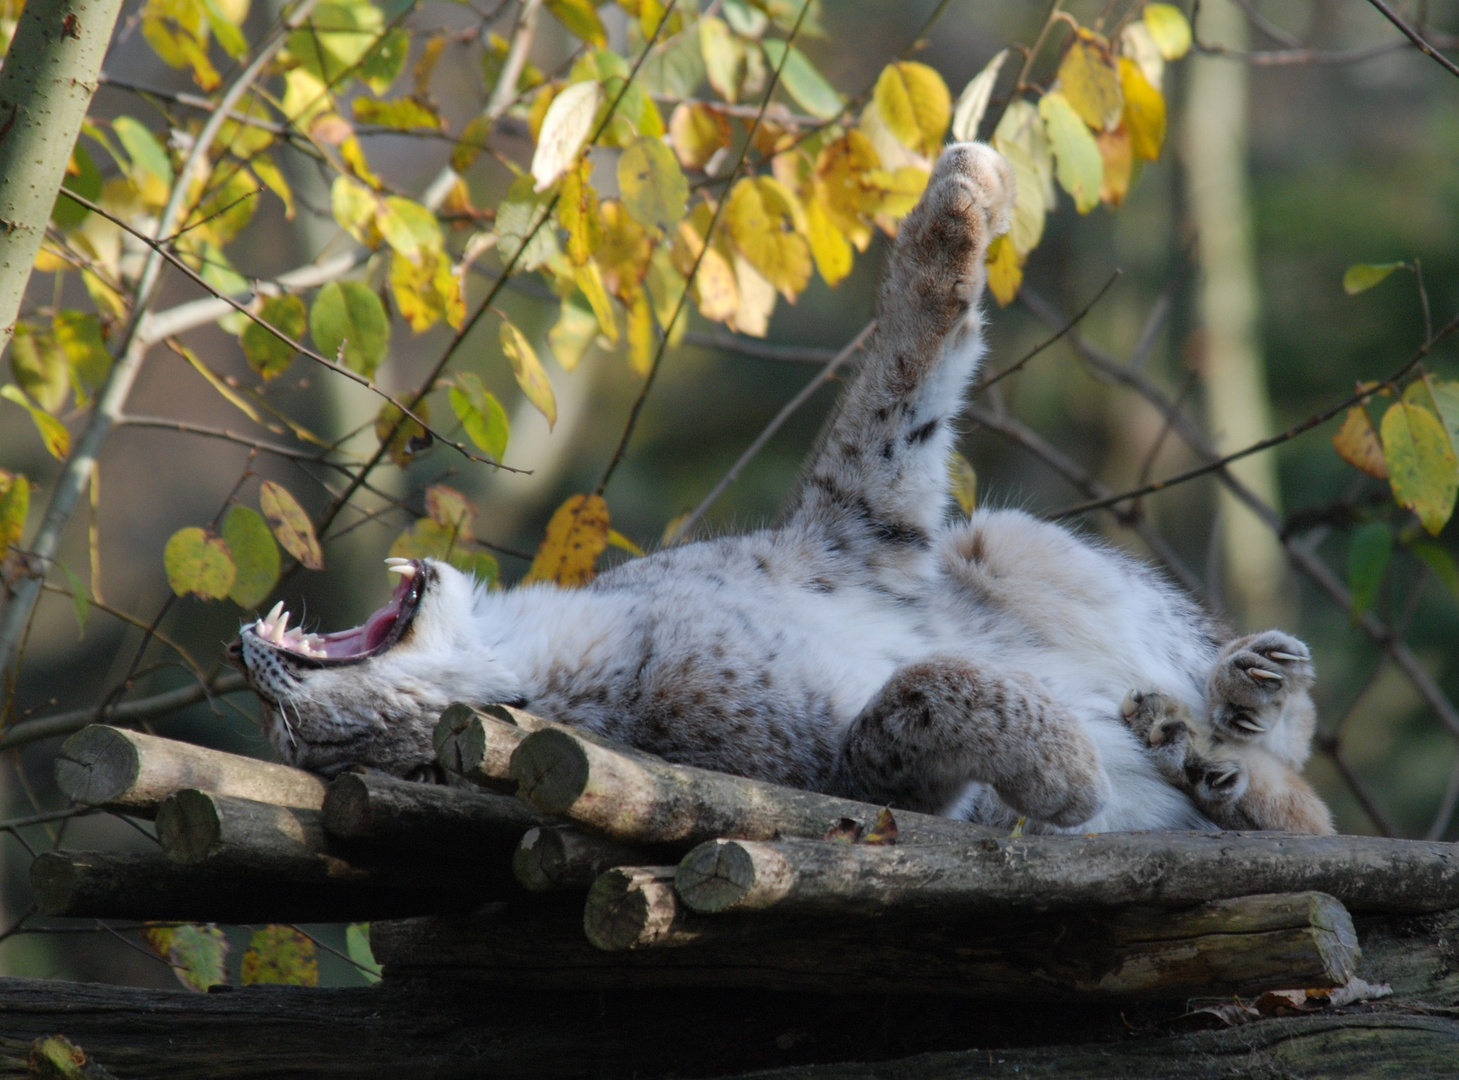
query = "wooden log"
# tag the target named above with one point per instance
(198, 828)
(1104, 870)
(477, 742)
(452, 822)
(643, 800)
(107, 885)
(1243, 946)
(130, 771)
(634, 907)
(557, 857)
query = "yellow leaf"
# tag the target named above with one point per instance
(756, 300)
(698, 132)
(590, 280)
(618, 540)
(576, 536)
(964, 480)
(265, 169)
(1119, 164)
(843, 169)
(829, 246)
(573, 333)
(651, 184)
(198, 562)
(972, 103)
(292, 527)
(580, 17)
(1005, 272)
(641, 341)
(354, 157)
(1080, 167)
(767, 224)
(1144, 116)
(577, 211)
(624, 255)
(1089, 81)
(1138, 44)
(528, 370)
(565, 129)
(1422, 469)
(426, 291)
(279, 954)
(915, 104)
(401, 436)
(53, 433)
(1357, 443)
(354, 208)
(1167, 25)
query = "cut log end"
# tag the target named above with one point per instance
(97, 765)
(558, 857)
(348, 807)
(634, 907)
(715, 876)
(189, 826)
(551, 770)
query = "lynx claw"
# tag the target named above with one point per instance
(1249, 723)
(1286, 657)
(1263, 673)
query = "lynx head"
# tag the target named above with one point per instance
(371, 695)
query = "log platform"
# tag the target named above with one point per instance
(614, 913)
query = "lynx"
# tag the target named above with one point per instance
(867, 646)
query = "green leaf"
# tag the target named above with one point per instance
(1168, 26)
(381, 65)
(197, 953)
(581, 18)
(14, 504)
(1080, 165)
(1422, 469)
(1446, 401)
(225, 29)
(349, 314)
(268, 353)
(79, 334)
(802, 81)
(143, 148)
(1440, 562)
(724, 57)
(80, 599)
(1369, 551)
(85, 181)
(255, 555)
(519, 212)
(357, 946)
(1360, 277)
(291, 526)
(40, 367)
(199, 563)
(972, 103)
(280, 955)
(745, 20)
(481, 415)
(403, 113)
(53, 433)
(915, 104)
(402, 436)
(651, 183)
(528, 370)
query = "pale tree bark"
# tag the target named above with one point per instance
(46, 85)
(1237, 401)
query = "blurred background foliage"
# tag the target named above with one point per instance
(1346, 161)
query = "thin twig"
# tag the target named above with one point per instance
(760, 350)
(1018, 364)
(1414, 36)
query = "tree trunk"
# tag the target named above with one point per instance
(46, 85)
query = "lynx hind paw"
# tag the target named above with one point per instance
(1217, 784)
(1253, 680)
(968, 201)
(1162, 723)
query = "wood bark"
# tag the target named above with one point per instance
(127, 770)
(477, 743)
(644, 800)
(1101, 870)
(426, 818)
(105, 885)
(1228, 947)
(557, 857)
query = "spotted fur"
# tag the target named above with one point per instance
(864, 646)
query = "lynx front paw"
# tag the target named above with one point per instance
(1253, 681)
(986, 178)
(1162, 724)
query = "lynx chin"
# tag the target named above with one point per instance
(871, 645)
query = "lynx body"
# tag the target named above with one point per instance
(867, 646)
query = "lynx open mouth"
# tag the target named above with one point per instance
(383, 629)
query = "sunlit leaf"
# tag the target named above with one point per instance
(255, 556)
(143, 148)
(279, 954)
(267, 353)
(198, 954)
(972, 103)
(481, 415)
(1005, 270)
(1360, 277)
(354, 206)
(426, 291)
(698, 133)
(565, 130)
(517, 216)
(581, 18)
(199, 563)
(1357, 443)
(528, 370)
(573, 333)
(915, 104)
(264, 168)
(641, 341)
(403, 113)
(624, 255)
(380, 67)
(40, 366)
(756, 299)
(576, 536)
(1028, 204)
(404, 438)
(724, 57)
(1422, 469)
(348, 315)
(447, 506)
(964, 480)
(577, 211)
(291, 526)
(829, 246)
(651, 184)
(807, 86)
(1080, 167)
(768, 225)
(1089, 81)
(14, 505)
(53, 433)
(1119, 164)
(590, 283)
(335, 37)
(1024, 128)
(1369, 551)
(1144, 112)
(1167, 25)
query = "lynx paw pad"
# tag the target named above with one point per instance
(1253, 679)
(1217, 783)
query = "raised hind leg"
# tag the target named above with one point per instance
(940, 724)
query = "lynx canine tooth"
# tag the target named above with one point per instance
(396, 560)
(406, 571)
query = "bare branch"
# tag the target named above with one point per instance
(1018, 364)
(1414, 36)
